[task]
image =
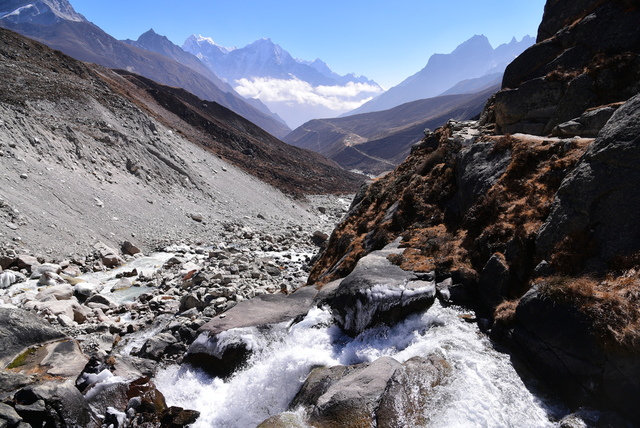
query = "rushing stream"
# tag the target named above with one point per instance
(484, 391)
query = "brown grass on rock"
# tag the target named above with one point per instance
(612, 304)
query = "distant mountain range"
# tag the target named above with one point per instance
(473, 59)
(297, 90)
(376, 142)
(56, 24)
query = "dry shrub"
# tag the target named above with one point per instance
(505, 312)
(612, 304)
(569, 255)
(502, 144)
(563, 75)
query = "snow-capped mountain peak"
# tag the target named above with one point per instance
(44, 12)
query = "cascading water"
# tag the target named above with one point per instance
(484, 390)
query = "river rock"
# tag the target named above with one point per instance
(220, 357)
(157, 346)
(71, 308)
(410, 391)
(352, 401)
(8, 416)
(57, 292)
(129, 248)
(64, 405)
(26, 262)
(108, 256)
(64, 358)
(377, 291)
(20, 329)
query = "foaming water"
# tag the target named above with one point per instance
(483, 391)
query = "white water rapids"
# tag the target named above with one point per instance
(484, 390)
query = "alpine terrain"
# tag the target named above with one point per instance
(167, 263)
(297, 90)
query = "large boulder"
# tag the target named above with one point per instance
(597, 204)
(19, 330)
(377, 291)
(219, 351)
(352, 400)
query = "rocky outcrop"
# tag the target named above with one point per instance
(597, 203)
(587, 56)
(572, 358)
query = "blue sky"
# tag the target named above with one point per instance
(386, 41)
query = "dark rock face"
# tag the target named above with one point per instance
(587, 55)
(479, 167)
(20, 329)
(598, 200)
(559, 343)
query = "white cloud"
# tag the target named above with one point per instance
(296, 91)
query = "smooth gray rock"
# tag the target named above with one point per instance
(20, 329)
(8, 414)
(352, 401)
(263, 311)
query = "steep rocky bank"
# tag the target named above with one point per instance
(538, 233)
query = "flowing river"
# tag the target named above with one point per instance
(484, 389)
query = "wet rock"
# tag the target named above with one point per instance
(352, 401)
(220, 357)
(7, 278)
(20, 329)
(377, 291)
(410, 391)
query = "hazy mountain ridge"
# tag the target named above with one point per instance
(378, 141)
(472, 59)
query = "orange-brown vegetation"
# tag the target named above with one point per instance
(414, 202)
(505, 313)
(612, 304)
